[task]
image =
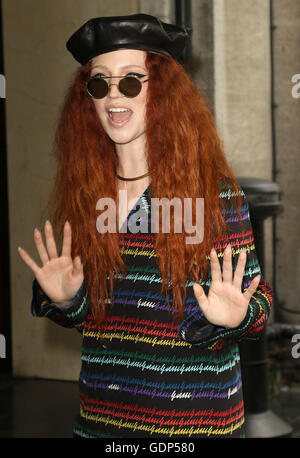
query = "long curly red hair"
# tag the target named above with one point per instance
(185, 158)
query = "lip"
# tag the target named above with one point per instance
(118, 124)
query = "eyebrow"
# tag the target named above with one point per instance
(123, 67)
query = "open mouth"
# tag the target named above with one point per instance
(119, 116)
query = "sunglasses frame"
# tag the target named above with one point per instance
(115, 84)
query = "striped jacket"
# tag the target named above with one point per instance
(150, 377)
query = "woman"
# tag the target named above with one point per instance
(160, 318)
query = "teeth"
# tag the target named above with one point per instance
(118, 110)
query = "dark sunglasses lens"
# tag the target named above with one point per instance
(130, 86)
(97, 87)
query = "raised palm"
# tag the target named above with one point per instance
(60, 277)
(225, 304)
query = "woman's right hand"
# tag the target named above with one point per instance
(60, 277)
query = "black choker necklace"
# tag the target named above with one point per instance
(132, 179)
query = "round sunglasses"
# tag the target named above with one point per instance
(130, 86)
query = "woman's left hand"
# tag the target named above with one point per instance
(225, 304)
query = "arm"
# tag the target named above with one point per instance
(71, 315)
(196, 329)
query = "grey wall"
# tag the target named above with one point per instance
(37, 69)
(287, 119)
(242, 92)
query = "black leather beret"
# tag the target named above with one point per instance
(135, 31)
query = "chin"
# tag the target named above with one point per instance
(120, 137)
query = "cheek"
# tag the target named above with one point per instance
(141, 105)
(99, 107)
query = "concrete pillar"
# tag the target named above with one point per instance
(242, 83)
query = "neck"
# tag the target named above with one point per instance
(132, 159)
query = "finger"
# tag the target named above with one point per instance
(227, 265)
(40, 246)
(67, 242)
(50, 242)
(252, 288)
(200, 296)
(28, 260)
(216, 275)
(239, 270)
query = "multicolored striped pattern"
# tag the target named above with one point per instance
(150, 377)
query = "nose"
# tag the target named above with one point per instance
(113, 87)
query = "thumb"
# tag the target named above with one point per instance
(77, 266)
(252, 287)
(200, 296)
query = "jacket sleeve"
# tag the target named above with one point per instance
(196, 329)
(73, 315)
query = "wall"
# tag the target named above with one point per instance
(242, 73)
(287, 141)
(37, 69)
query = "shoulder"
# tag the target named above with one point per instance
(229, 189)
(232, 200)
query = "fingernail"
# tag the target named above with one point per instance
(47, 222)
(19, 248)
(228, 246)
(67, 222)
(36, 229)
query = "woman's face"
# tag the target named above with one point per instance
(126, 127)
